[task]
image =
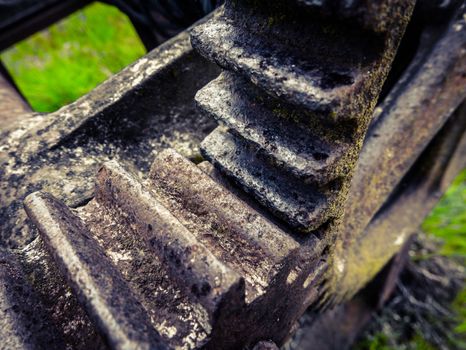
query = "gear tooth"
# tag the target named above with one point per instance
(119, 316)
(230, 228)
(274, 67)
(375, 16)
(296, 111)
(238, 105)
(191, 265)
(304, 207)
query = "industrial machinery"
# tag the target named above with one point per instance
(269, 162)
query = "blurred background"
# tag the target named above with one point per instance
(63, 62)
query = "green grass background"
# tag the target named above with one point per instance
(60, 64)
(448, 219)
(56, 66)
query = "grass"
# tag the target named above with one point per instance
(381, 341)
(60, 64)
(56, 66)
(448, 219)
(448, 222)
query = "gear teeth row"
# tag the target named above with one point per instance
(277, 67)
(293, 112)
(239, 105)
(191, 265)
(185, 259)
(98, 285)
(171, 253)
(300, 206)
(241, 237)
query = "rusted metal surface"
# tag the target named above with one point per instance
(23, 322)
(434, 90)
(216, 264)
(265, 345)
(156, 21)
(388, 235)
(408, 204)
(378, 16)
(250, 243)
(94, 280)
(181, 256)
(21, 18)
(339, 327)
(322, 85)
(425, 98)
(130, 117)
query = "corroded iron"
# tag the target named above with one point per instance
(296, 109)
(13, 103)
(214, 260)
(182, 256)
(93, 278)
(426, 96)
(130, 117)
(388, 232)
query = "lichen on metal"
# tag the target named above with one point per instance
(314, 81)
(162, 252)
(133, 115)
(424, 99)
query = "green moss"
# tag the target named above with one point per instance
(381, 341)
(197, 158)
(419, 343)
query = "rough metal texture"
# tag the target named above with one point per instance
(296, 103)
(12, 102)
(210, 264)
(414, 198)
(338, 328)
(22, 320)
(92, 277)
(13, 9)
(430, 90)
(69, 318)
(197, 261)
(130, 117)
(376, 15)
(409, 203)
(22, 18)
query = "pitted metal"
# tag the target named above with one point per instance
(207, 258)
(296, 110)
(430, 93)
(181, 256)
(93, 278)
(145, 108)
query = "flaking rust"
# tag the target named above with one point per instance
(197, 273)
(162, 253)
(246, 261)
(294, 104)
